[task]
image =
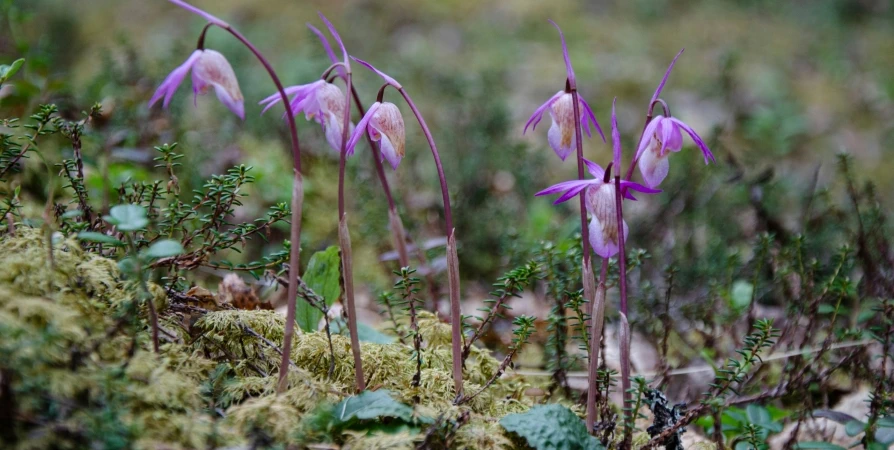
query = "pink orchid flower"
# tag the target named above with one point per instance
(562, 136)
(663, 136)
(600, 202)
(385, 124)
(320, 101)
(209, 70)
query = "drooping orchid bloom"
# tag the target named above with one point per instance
(320, 101)
(210, 69)
(600, 203)
(561, 135)
(385, 124)
(661, 137)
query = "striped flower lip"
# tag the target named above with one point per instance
(605, 234)
(210, 69)
(385, 124)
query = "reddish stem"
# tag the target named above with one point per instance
(584, 230)
(452, 262)
(597, 317)
(622, 285)
(297, 191)
(344, 240)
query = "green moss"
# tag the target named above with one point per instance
(77, 359)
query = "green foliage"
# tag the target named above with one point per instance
(372, 405)
(750, 427)
(127, 217)
(550, 427)
(323, 276)
(7, 71)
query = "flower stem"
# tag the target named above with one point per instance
(452, 259)
(597, 318)
(297, 205)
(584, 230)
(344, 240)
(624, 331)
(591, 293)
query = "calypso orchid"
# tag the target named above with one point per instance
(384, 124)
(661, 137)
(562, 135)
(600, 203)
(210, 69)
(320, 101)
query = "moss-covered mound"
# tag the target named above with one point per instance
(77, 370)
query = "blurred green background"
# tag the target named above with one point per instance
(775, 88)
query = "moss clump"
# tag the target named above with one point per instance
(77, 363)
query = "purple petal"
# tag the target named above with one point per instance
(666, 74)
(384, 76)
(595, 169)
(198, 11)
(235, 105)
(327, 48)
(337, 38)
(706, 152)
(361, 128)
(616, 138)
(627, 186)
(276, 97)
(591, 116)
(538, 113)
(562, 187)
(568, 69)
(638, 187)
(173, 80)
(571, 193)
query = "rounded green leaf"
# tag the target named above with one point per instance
(92, 236)
(551, 427)
(164, 248)
(757, 414)
(128, 217)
